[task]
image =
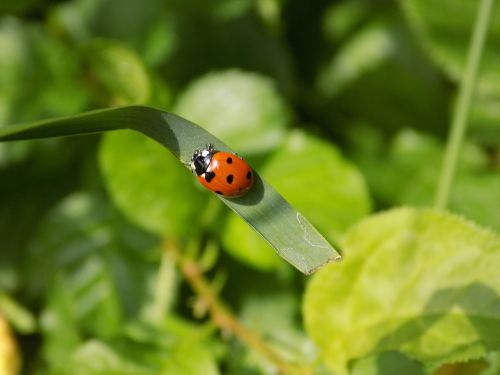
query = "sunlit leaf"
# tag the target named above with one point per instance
(421, 282)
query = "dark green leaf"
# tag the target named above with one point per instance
(263, 208)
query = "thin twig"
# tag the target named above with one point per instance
(462, 106)
(222, 317)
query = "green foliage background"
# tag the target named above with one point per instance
(343, 106)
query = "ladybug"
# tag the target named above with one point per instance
(222, 172)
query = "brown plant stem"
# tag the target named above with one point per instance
(221, 315)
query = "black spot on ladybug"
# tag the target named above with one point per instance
(218, 192)
(229, 179)
(229, 160)
(249, 175)
(209, 176)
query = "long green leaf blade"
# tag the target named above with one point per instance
(264, 209)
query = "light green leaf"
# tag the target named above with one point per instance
(288, 231)
(364, 52)
(97, 358)
(244, 109)
(446, 40)
(38, 78)
(313, 176)
(84, 236)
(404, 172)
(171, 349)
(21, 318)
(119, 72)
(38, 73)
(421, 282)
(154, 189)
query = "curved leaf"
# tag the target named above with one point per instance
(293, 237)
(315, 178)
(421, 282)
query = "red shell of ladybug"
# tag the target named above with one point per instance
(222, 172)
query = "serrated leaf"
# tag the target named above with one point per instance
(289, 232)
(421, 282)
(333, 198)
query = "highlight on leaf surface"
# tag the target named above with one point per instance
(264, 209)
(245, 109)
(418, 281)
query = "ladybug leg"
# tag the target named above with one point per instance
(210, 147)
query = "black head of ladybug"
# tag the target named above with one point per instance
(201, 159)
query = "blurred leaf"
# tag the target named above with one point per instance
(379, 75)
(20, 317)
(38, 74)
(494, 364)
(242, 42)
(99, 255)
(366, 51)
(154, 189)
(295, 239)
(18, 6)
(243, 109)
(446, 40)
(340, 19)
(421, 282)
(10, 360)
(119, 73)
(172, 349)
(97, 358)
(125, 20)
(405, 172)
(474, 367)
(274, 314)
(59, 325)
(96, 271)
(313, 176)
